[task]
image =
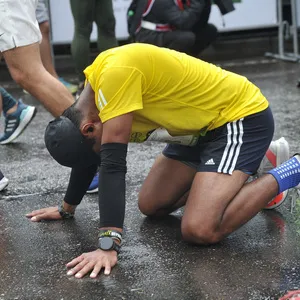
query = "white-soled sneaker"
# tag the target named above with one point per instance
(16, 122)
(278, 153)
(3, 182)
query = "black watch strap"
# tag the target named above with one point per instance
(64, 214)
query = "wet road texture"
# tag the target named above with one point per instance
(259, 261)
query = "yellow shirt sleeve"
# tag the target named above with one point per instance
(118, 91)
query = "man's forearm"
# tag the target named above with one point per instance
(112, 185)
(79, 182)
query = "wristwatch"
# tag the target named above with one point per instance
(108, 243)
(64, 214)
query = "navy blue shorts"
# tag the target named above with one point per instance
(239, 145)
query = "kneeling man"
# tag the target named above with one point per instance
(217, 126)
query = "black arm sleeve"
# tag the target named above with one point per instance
(112, 184)
(79, 182)
(181, 19)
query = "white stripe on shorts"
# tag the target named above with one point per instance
(231, 153)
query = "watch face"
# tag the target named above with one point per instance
(106, 243)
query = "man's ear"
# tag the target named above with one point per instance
(88, 129)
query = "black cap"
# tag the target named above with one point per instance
(67, 145)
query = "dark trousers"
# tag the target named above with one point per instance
(85, 12)
(190, 42)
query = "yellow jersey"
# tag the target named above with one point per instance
(173, 97)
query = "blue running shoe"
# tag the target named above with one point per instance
(72, 88)
(16, 122)
(93, 188)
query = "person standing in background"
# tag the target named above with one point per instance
(42, 17)
(19, 44)
(179, 25)
(85, 13)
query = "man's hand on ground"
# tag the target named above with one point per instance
(49, 213)
(93, 261)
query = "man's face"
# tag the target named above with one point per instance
(97, 139)
(91, 125)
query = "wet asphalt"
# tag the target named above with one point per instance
(259, 261)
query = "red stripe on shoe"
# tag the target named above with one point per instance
(271, 157)
(276, 200)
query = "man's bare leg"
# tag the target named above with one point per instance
(166, 187)
(219, 204)
(11, 110)
(45, 49)
(26, 68)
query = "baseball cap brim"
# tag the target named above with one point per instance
(67, 145)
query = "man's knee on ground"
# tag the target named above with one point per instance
(150, 208)
(196, 233)
(144, 204)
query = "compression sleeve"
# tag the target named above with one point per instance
(112, 184)
(79, 182)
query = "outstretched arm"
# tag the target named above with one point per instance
(116, 135)
(80, 180)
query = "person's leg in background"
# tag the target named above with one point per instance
(42, 17)
(178, 40)
(17, 116)
(9, 104)
(204, 37)
(27, 70)
(106, 23)
(20, 48)
(83, 14)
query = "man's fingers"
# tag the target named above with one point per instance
(35, 212)
(78, 267)
(83, 271)
(75, 261)
(91, 262)
(107, 268)
(41, 216)
(97, 269)
(37, 218)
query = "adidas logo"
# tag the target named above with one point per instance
(210, 162)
